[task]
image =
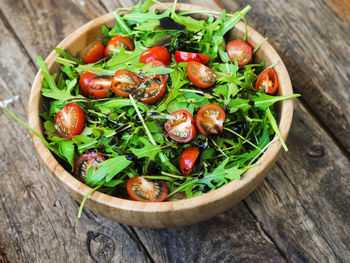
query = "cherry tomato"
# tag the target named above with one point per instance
(84, 81)
(95, 53)
(118, 42)
(84, 162)
(142, 189)
(99, 86)
(125, 82)
(210, 119)
(240, 50)
(201, 76)
(155, 88)
(267, 81)
(69, 121)
(183, 128)
(187, 159)
(182, 56)
(156, 53)
(157, 63)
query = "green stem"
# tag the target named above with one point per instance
(84, 200)
(244, 139)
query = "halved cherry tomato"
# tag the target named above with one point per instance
(210, 119)
(182, 56)
(142, 189)
(157, 63)
(155, 88)
(187, 159)
(125, 82)
(99, 86)
(118, 42)
(156, 53)
(201, 76)
(183, 129)
(84, 81)
(69, 121)
(95, 53)
(240, 50)
(267, 81)
(84, 162)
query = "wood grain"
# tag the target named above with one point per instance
(313, 41)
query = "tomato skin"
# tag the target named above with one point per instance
(83, 162)
(95, 53)
(200, 75)
(268, 79)
(187, 159)
(182, 56)
(84, 81)
(69, 121)
(146, 190)
(183, 129)
(156, 53)
(210, 119)
(98, 87)
(125, 82)
(155, 90)
(240, 50)
(157, 63)
(118, 42)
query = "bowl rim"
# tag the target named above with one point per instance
(248, 178)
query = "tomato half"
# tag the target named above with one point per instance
(96, 53)
(154, 89)
(187, 159)
(182, 56)
(157, 63)
(84, 81)
(267, 81)
(183, 128)
(156, 53)
(125, 82)
(240, 50)
(84, 162)
(142, 189)
(98, 87)
(200, 75)
(117, 42)
(210, 119)
(69, 121)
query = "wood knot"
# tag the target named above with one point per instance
(101, 248)
(316, 151)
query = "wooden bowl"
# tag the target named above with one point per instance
(165, 214)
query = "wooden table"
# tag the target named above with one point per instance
(299, 214)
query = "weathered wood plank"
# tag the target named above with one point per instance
(313, 39)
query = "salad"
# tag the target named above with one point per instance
(162, 107)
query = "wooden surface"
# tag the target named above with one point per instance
(299, 214)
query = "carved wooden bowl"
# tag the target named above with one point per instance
(164, 214)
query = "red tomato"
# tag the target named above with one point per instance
(84, 162)
(84, 81)
(187, 159)
(201, 76)
(142, 189)
(182, 56)
(155, 88)
(156, 53)
(240, 50)
(267, 81)
(95, 53)
(69, 121)
(99, 86)
(183, 129)
(157, 63)
(210, 119)
(125, 82)
(118, 42)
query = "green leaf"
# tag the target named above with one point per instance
(147, 151)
